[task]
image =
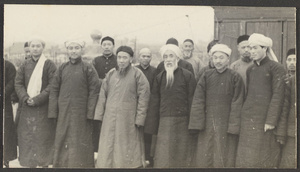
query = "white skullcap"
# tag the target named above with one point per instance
(171, 47)
(260, 39)
(220, 48)
(77, 41)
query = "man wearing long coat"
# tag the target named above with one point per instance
(215, 112)
(189, 56)
(257, 145)
(73, 97)
(9, 129)
(181, 63)
(287, 123)
(122, 107)
(103, 64)
(169, 109)
(145, 57)
(35, 130)
(241, 65)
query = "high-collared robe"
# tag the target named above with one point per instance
(72, 101)
(216, 111)
(168, 117)
(263, 105)
(122, 105)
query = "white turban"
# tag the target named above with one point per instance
(77, 41)
(260, 39)
(171, 47)
(220, 48)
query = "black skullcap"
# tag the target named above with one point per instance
(242, 38)
(189, 40)
(26, 45)
(211, 44)
(109, 39)
(125, 49)
(291, 51)
(172, 41)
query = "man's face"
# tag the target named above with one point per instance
(187, 49)
(220, 60)
(107, 47)
(291, 62)
(27, 52)
(74, 50)
(123, 59)
(170, 58)
(257, 52)
(145, 58)
(244, 49)
(36, 48)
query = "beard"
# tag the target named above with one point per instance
(246, 57)
(170, 74)
(187, 54)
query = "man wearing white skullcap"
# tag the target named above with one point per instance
(258, 146)
(168, 113)
(215, 112)
(72, 101)
(182, 63)
(35, 130)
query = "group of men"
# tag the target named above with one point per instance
(188, 114)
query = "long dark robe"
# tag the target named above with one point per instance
(263, 105)
(9, 132)
(168, 117)
(150, 73)
(216, 112)
(73, 97)
(35, 131)
(287, 127)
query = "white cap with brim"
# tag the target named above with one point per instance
(260, 39)
(220, 48)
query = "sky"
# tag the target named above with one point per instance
(148, 24)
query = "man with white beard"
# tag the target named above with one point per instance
(168, 112)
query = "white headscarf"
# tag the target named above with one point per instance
(171, 47)
(264, 41)
(220, 48)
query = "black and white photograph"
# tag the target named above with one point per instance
(149, 87)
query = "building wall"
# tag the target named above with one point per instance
(276, 23)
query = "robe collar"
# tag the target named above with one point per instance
(145, 67)
(76, 61)
(107, 57)
(222, 71)
(263, 61)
